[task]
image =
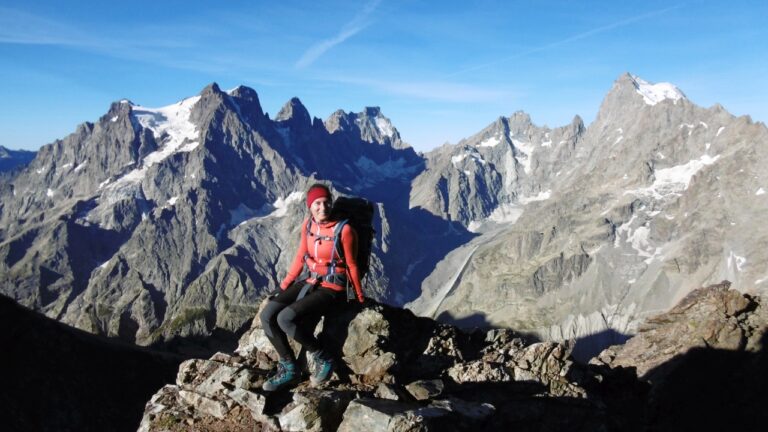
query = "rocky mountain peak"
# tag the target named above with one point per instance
(372, 111)
(371, 124)
(210, 89)
(294, 111)
(339, 121)
(247, 103)
(520, 117)
(629, 88)
(577, 123)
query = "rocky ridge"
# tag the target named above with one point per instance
(401, 372)
(398, 372)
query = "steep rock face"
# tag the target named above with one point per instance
(491, 175)
(166, 224)
(659, 196)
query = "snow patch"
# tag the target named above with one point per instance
(490, 142)
(736, 261)
(173, 200)
(172, 125)
(50, 193)
(760, 191)
(676, 179)
(279, 208)
(472, 153)
(390, 169)
(503, 213)
(282, 204)
(660, 155)
(655, 93)
(719, 131)
(548, 142)
(618, 140)
(113, 119)
(105, 182)
(385, 127)
(81, 166)
(241, 214)
(525, 149)
(542, 196)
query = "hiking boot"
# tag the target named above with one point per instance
(323, 366)
(286, 374)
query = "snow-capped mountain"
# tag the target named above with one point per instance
(655, 197)
(160, 224)
(155, 223)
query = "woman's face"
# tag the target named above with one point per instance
(321, 209)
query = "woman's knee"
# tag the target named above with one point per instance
(268, 316)
(286, 320)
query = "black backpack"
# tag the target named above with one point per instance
(358, 213)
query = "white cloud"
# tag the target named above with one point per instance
(358, 23)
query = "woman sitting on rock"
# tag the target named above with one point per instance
(325, 287)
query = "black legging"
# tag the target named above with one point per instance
(284, 315)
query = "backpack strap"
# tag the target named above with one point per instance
(336, 248)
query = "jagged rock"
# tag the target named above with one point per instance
(380, 348)
(205, 405)
(363, 350)
(712, 317)
(253, 401)
(440, 415)
(389, 391)
(469, 410)
(385, 415)
(314, 410)
(705, 361)
(480, 371)
(425, 389)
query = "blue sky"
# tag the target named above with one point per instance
(440, 71)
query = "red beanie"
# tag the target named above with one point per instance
(317, 191)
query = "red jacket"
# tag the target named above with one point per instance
(319, 253)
